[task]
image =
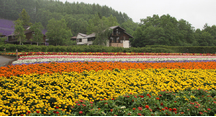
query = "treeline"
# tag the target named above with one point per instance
(97, 48)
(76, 14)
(166, 30)
(58, 17)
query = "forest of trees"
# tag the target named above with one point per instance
(72, 18)
(166, 30)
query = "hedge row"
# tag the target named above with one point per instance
(96, 48)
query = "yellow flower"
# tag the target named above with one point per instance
(192, 96)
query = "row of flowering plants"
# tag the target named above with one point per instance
(100, 53)
(108, 85)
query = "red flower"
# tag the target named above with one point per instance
(150, 110)
(105, 103)
(191, 103)
(170, 109)
(196, 106)
(214, 102)
(132, 100)
(131, 93)
(135, 96)
(160, 95)
(174, 109)
(166, 108)
(91, 102)
(80, 112)
(134, 108)
(208, 109)
(157, 98)
(182, 112)
(78, 104)
(28, 112)
(112, 98)
(163, 109)
(111, 110)
(105, 99)
(200, 113)
(98, 108)
(147, 106)
(81, 101)
(57, 112)
(129, 114)
(57, 107)
(21, 115)
(161, 103)
(139, 114)
(175, 101)
(83, 105)
(141, 96)
(37, 111)
(140, 108)
(127, 96)
(148, 94)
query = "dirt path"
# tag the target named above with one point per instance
(5, 60)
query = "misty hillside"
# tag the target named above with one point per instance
(44, 10)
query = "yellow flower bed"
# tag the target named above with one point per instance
(19, 94)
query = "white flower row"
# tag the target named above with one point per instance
(38, 60)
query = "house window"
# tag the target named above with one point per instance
(90, 39)
(79, 40)
(117, 40)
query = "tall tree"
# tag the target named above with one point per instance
(19, 31)
(100, 26)
(25, 18)
(37, 32)
(58, 32)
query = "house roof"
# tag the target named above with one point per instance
(84, 35)
(114, 27)
(91, 35)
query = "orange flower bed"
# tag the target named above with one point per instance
(14, 70)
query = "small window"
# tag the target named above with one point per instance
(79, 40)
(90, 39)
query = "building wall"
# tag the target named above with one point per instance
(107, 43)
(126, 44)
(116, 44)
(28, 36)
(90, 43)
(84, 42)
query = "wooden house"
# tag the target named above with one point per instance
(118, 38)
(29, 35)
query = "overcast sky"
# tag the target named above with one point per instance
(196, 12)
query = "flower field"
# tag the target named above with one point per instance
(99, 84)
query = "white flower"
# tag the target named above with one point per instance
(123, 107)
